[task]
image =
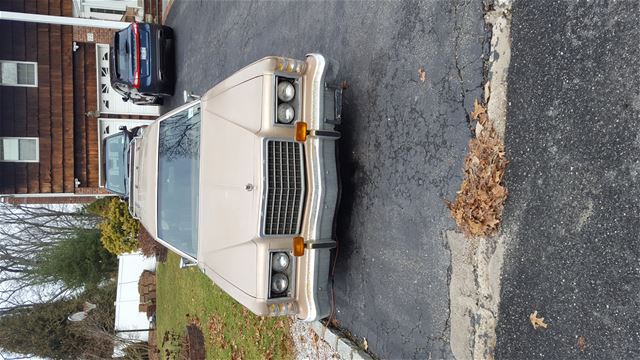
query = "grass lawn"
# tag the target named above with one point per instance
(187, 296)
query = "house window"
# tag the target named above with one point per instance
(18, 73)
(19, 149)
(107, 11)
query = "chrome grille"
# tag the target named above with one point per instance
(284, 190)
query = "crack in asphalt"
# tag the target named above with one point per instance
(456, 50)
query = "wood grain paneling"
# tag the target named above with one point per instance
(67, 110)
(44, 100)
(80, 140)
(91, 105)
(56, 111)
(7, 115)
(44, 107)
(67, 99)
(55, 57)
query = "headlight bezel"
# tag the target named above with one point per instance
(289, 272)
(295, 102)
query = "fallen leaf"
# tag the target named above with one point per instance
(493, 223)
(483, 118)
(422, 74)
(365, 344)
(582, 343)
(537, 321)
(479, 128)
(478, 109)
(479, 203)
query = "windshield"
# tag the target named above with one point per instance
(116, 161)
(178, 171)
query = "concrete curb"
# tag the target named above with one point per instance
(339, 343)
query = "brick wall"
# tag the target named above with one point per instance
(49, 200)
(92, 191)
(100, 36)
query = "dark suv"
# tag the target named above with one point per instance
(143, 63)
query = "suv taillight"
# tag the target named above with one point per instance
(136, 71)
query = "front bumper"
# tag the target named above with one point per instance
(322, 111)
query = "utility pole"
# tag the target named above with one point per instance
(62, 20)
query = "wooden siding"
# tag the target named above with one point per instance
(67, 101)
(45, 111)
(153, 8)
(86, 124)
(60, 110)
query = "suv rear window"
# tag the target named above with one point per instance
(123, 47)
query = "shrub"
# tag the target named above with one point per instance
(98, 207)
(77, 260)
(119, 229)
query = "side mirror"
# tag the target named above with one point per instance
(185, 263)
(188, 96)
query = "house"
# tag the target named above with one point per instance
(56, 101)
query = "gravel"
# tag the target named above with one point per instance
(308, 345)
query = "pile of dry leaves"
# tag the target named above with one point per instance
(478, 206)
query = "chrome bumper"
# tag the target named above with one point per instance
(320, 149)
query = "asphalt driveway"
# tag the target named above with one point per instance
(404, 139)
(573, 215)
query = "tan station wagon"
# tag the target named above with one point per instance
(243, 182)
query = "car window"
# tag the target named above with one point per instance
(178, 173)
(115, 149)
(123, 57)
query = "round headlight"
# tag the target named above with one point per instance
(286, 91)
(280, 262)
(279, 283)
(285, 113)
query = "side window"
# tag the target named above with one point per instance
(19, 149)
(18, 73)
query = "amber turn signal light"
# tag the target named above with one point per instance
(298, 246)
(301, 131)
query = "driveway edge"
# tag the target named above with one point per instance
(343, 346)
(476, 265)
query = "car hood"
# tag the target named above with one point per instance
(230, 176)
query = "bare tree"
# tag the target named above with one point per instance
(98, 329)
(25, 232)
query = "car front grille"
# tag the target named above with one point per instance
(285, 187)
